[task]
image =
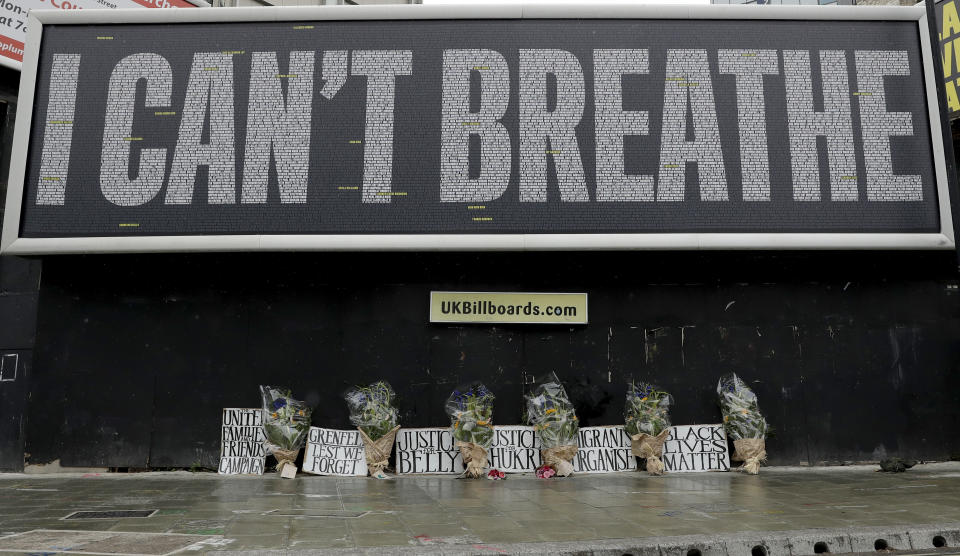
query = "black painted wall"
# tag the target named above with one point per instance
(854, 355)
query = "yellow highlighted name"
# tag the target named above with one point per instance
(129, 225)
(61, 122)
(49, 178)
(676, 79)
(552, 152)
(482, 219)
(133, 138)
(748, 54)
(211, 69)
(286, 75)
(671, 165)
(355, 141)
(104, 38)
(167, 113)
(476, 207)
(689, 84)
(348, 187)
(232, 51)
(848, 177)
(481, 67)
(303, 26)
(471, 123)
(392, 193)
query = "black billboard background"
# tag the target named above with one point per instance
(334, 161)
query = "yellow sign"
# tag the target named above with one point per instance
(509, 308)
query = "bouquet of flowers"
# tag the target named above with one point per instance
(647, 420)
(743, 422)
(471, 414)
(553, 418)
(373, 413)
(286, 422)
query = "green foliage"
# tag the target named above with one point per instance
(471, 414)
(552, 415)
(647, 409)
(372, 408)
(286, 421)
(741, 414)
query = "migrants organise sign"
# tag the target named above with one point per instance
(604, 450)
(306, 133)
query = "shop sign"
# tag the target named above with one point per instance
(13, 34)
(241, 442)
(948, 29)
(515, 449)
(696, 448)
(334, 452)
(604, 450)
(508, 308)
(428, 450)
(498, 129)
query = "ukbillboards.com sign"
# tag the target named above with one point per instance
(420, 127)
(14, 14)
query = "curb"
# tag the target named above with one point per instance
(746, 543)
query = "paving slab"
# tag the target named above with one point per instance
(784, 511)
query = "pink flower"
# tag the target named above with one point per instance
(545, 472)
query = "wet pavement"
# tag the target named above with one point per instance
(449, 515)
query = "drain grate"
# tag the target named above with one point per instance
(110, 514)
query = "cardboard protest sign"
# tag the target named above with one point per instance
(429, 450)
(334, 452)
(691, 448)
(241, 442)
(604, 450)
(515, 449)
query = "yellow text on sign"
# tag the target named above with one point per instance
(509, 308)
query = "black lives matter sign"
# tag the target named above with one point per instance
(479, 127)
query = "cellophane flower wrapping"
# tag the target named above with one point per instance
(555, 421)
(646, 417)
(286, 423)
(373, 412)
(471, 415)
(647, 409)
(741, 414)
(743, 422)
(552, 415)
(372, 408)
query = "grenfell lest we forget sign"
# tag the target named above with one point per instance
(545, 127)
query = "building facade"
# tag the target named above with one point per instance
(125, 360)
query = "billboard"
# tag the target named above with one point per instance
(417, 127)
(14, 13)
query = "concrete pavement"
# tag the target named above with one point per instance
(781, 511)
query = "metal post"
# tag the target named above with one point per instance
(945, 128)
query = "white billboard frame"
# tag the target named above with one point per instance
(12, 244)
